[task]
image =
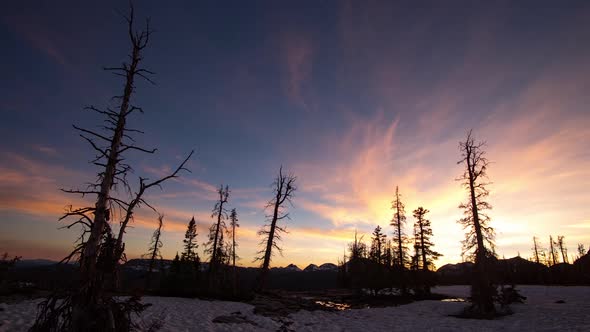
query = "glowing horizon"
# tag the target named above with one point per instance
(353, 99)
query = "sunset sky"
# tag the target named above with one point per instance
(352, 97)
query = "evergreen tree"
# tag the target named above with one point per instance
(398, 222)
(378, 240)
(190, 242)
(423, 232)
(233, 217)
(220, 254)
(388, 255)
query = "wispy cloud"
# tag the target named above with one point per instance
(297, 51)
(38, 36)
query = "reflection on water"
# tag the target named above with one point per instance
(333, 305)
(455, 299)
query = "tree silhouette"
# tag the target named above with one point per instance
(423, 232)
(357, 249)
(424, 256)
(479, 239)
(98, 250)
(378, 241)
(562, 248)
(553, 250)
(284, 189)
(536, 250)
(398, 222)
(215, 244)
(581, 250)
(154, 249)
(190, 242)
(233, 217)
(399, 240)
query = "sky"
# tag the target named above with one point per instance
(352, 97)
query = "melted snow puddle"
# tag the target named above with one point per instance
(454, 299)
(333, 305)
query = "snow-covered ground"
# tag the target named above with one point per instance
(540, 313)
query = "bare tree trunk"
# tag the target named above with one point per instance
(552, 248)
(269, 242)
(222, 199)
(536, 249)
(284, 190)
(485, 297)
(155, 251)
(562, 248)
(233, 251)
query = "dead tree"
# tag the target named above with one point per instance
(562, 248)
(479, 239)
(553, 250)
(581, 251)
(284, 189)
(98, 250)
(536, 250)
(154, 250)
(216, 237)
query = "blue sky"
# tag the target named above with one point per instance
(354, 98)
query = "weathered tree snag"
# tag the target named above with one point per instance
(154, 249)
(219, 212)
(284, 188)
(477, 222)
(90, 307)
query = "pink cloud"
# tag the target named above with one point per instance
(297, 52)
(39, 37)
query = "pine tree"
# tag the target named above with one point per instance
(388, 255)
(377, 245)
(190, 242)
(233, 217)
(423, 232)
(398, 222)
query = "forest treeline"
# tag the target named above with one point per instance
(403, 262)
